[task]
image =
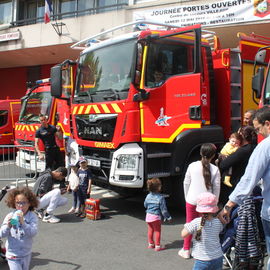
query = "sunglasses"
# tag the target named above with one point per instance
(21, 203)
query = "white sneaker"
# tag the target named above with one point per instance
(50, 219)
(77, 210)
(71, 210)
(39, 213)
(184, 253)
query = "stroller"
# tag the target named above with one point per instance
(242, 240)
(3, 192)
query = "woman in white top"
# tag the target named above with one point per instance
(201, 176)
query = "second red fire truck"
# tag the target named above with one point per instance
(38, 100)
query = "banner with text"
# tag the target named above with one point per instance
(210, 14)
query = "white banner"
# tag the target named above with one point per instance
(210, 14)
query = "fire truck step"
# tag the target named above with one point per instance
(158, 174)
(159, 155)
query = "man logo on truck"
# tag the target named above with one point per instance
(93, 131)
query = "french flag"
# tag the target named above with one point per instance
(48, 11)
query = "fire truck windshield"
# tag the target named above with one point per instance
(35, 104)
(105, 73)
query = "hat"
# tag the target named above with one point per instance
(82, 159)
(207, 203)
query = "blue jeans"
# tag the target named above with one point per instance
(76, 199)
(266, 229)
(215, 264)
(82, 193)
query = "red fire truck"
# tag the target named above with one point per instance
(131, 126)
(38, 100)
(9, 114)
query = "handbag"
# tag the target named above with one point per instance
(73, 180)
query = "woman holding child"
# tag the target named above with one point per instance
(237, 161)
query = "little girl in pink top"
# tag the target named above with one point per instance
(155, 208)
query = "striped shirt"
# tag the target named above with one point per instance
(209, 247)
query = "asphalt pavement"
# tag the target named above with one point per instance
(117, 241)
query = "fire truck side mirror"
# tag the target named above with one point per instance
(23, 99)
(260, 56)
(257, 82)
(56, 81)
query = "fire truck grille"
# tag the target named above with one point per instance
(25, 142)
(100, 174)
(96, 127)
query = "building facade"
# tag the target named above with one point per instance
(29, 47)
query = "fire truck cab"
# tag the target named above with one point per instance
(38, 100)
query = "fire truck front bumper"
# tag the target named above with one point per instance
(28, 160)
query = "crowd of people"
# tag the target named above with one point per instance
(212, 191)
(206, 187)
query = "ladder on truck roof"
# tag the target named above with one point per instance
(208, 35)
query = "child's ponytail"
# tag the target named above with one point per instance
(199, 231)
(207, 152)
(206, 173)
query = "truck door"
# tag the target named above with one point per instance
(172, 75)
(9, 114)
(5, 127)
(63, 104)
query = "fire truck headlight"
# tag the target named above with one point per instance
(127, 162)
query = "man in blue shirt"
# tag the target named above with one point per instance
(258, 168)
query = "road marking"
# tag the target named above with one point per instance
(95, 190)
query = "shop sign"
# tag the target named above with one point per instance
(10, 36)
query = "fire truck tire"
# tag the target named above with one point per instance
(175, 183)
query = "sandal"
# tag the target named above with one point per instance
(83, 215)
(78, 214)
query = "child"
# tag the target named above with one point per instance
(85, 182)
(230, 147)
(155, 208)
(201, 176)
(20, 228)
(207, 249)
(73, 185)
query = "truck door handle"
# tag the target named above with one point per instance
(195, 112)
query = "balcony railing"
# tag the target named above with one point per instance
(77, 13)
